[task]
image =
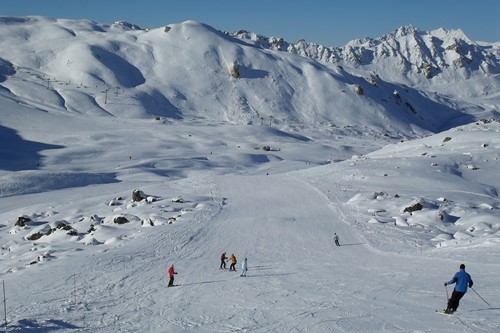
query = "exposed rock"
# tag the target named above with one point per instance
(138, 195)
(35, 236)
(22, 220)
(428, 71)
(147, 222)
(115, 202)
(63, 225)
(415, 207)
(72, 232)
(445, 217)
(235, 71)
(178, 199)
(120, 220)
(379, 195)
(358, 89)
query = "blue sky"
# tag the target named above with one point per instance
(327, 22)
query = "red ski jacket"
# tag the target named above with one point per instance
(171, 271)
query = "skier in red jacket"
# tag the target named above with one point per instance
(171, 273)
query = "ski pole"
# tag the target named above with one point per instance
(447, 296)
(481, 298)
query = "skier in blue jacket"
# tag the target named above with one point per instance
(461, 279)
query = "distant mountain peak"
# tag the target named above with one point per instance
(443, 33)
(126, 25)
(406, 30)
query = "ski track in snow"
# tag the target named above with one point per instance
(298, 280)
(272, 297)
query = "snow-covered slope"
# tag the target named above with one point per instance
(123, 151)
(74, 267)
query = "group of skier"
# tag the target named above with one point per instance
(232, 267)
(461, 279)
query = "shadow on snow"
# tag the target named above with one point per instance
(18, 154)
(50, 325)
(352, 244)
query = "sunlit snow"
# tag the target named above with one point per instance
(267, 166)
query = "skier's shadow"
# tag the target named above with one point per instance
(226, 280)
(259, 268)
(264, 275)
(204, 282)
(352, 244)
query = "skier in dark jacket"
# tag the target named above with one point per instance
(462, 280)
(223, 260)
(336, 239)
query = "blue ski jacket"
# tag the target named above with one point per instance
(462, 280)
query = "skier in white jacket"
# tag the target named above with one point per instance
(244, 268)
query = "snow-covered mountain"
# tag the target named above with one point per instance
(191, 70)
(406, 55)
(124, 150)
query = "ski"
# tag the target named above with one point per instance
(444, 313)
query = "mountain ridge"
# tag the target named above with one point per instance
(426, 54)
(191, 70)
